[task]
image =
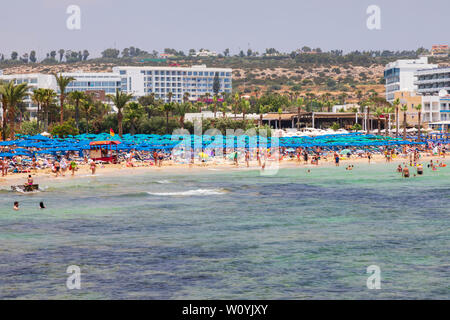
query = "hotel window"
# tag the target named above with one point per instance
(122, 72)
(174, 73)
(222, 74)
(189, 73)
(195, 73)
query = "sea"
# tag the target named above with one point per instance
(303, 233)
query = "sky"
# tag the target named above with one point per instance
(235, 24)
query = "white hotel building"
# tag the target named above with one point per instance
(34, 81)
(138, 81)
(400, 75)
(196, 80)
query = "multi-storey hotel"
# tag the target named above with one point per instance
(400, 75)
(138, 81)
(196, 80)
(433, 81)
(34, 81)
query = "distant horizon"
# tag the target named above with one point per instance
(286, 25)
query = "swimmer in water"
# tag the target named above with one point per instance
(419, 169)
(16, 206)
(41, 205)
(405, 172)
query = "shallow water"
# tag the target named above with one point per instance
(231, 235)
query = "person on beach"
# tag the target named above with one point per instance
(369, 156)
(336, 159)
(235, 157)
(4, 166)
(57, 167)
(63, 167)
(93, 167)
(247, 158)
(73, 167)
(305, 157)
(405, 172)
(29, 181)
(420, 169)
(16, 206)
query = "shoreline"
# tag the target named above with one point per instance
(115, 170)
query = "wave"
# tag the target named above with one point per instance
(162, 181)
(196, 192)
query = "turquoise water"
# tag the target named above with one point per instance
(231, 235)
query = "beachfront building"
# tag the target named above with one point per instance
(400, 75)
(412, 100)
(99, 84)
(433, 81)
(195, 80)
(445, 108)
(34, 81)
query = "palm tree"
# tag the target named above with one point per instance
(236, 105)
(12, 95)
(62, 82)
(88, 108)
(387, 111)
(404, 109)
(133, 113)
(169, 96)
(224, 109)
(215, 105)
(419, 113)
(378, 113)
(245, 107)
(181, 109)
(48, 99)
(262, 110)
(167, 108)
(396, 103)
(120, 100)
(76, 97)
(300, 104)
(186, 96)
(4, 101)
(38, 98)
(280, 112)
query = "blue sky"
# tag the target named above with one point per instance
(216, 25)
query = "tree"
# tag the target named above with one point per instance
(387, 111)
(88, 107)
(280, 112)
(53, 54)
(378, 113)
(181, 109)
(167, 108)
(33, 56)
(169, 96)
(419, 114)
(133, 112)
(404, 109)
(226, 52)
(111, 53)
(120, 100)
(216, 84)
(396, 103)
(12, 95)
(76, 97)
(38, 98)
(67, 128)
(262, 110)
(62, 83)
(48, 99)
(85, 55)
(335, 126)
(237, 99)
(300, 104)
(14, 55)
(245, 107)
(61, 54)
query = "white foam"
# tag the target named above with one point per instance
(163, 181)
(196, 192)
